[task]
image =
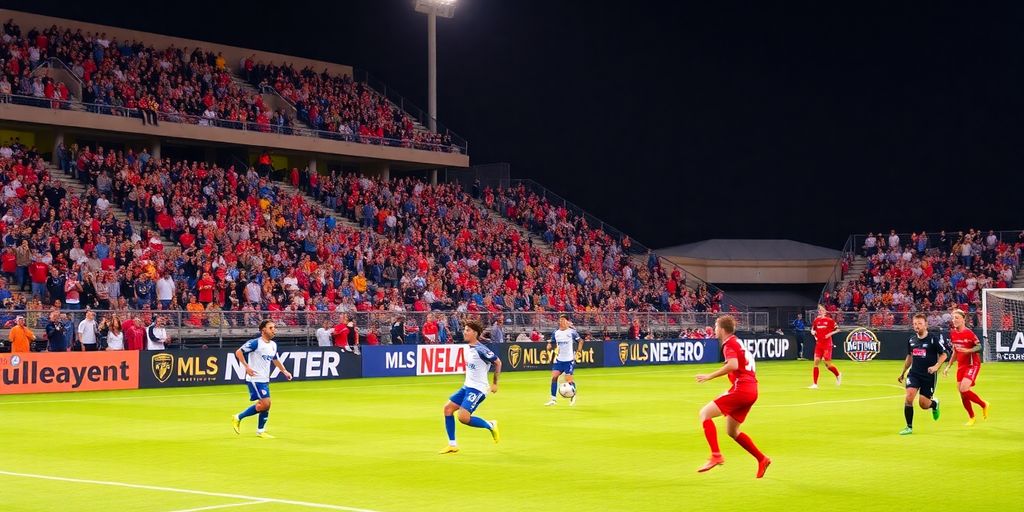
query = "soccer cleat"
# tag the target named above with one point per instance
(236, 424)
(264, 435)
(812, 386)
(715, 460)
(494, 431)
(839, 379)
(762, 466)
(907, 431)
(935, 410)
(449, 449)
(572, 401)
(984, 410)
(550, 402)
(970, 422)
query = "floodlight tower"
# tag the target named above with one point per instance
(433, 9)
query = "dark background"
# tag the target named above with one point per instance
(680, 122)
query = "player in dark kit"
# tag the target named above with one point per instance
(925, 354)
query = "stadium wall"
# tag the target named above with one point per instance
(758, 271)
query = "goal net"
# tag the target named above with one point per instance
(1002, 323)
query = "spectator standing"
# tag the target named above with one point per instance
(21, 336)
(87, 330)
(156, 335)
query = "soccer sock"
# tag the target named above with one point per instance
(449, 426)
(263, 417)
(908, 413)
(972, 396)
(712, 436)
(251, 411)
(748, 444)
(834, 370)
(967, 404)
(816, 372)
(478, 422)
(934, 404)
(554, 387)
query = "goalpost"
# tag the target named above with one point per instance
(1002, 324)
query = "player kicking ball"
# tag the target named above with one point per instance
(565, 361)
(735, 403)
(925, 354)
(256, 355)
(465, 401)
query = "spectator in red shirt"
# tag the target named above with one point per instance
(206, 287)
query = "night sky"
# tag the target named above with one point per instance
(677, 123)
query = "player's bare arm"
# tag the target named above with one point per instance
(494, 379)
(906, 365)
(280, 367)
(241, 359)
(729, 366)
(942, 359)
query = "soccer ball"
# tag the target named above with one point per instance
(567, 389)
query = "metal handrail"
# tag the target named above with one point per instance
(102, 108)
(405, 105)
(207, 327)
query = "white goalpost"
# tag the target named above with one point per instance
(1002, 324)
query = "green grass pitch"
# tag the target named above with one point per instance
(631, 443)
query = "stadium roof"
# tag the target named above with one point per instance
(745, 249)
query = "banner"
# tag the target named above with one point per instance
(45, 372)
(642, 352)
(534, 356)
(1009, 345)
(441, 359)
(769, 347)
(175, 368)
(389, 360)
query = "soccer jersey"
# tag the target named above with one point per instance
(478, 363)
(821, 326)
(743, 376)
(965, 338)
(925, 352)
(565, 341)
(260, 356)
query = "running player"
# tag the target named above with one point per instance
(823, 328)
(925, 354)
(479, 359)
(735, 403)
(967, 352)
(261, 352)
(565, 361)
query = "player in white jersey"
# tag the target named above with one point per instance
(565, 361)
(261, 352)
(479, 359)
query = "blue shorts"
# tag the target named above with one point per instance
(565, 367)
(258, 390)
(468, 398)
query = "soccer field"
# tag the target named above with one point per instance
(631, 443)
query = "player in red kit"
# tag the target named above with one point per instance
(735, 403)
(823, 328)
(967, 352)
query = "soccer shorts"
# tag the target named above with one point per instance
(823, 350)
(925, 383)
(468, 398)
(565, 367)
(258, 390)
(737, 403)
(969, 372)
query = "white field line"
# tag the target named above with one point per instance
(852, 400)
(229, 505)
(251, 499)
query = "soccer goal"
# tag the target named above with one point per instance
(1002, 323)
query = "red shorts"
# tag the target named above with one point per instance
(969, 372)
(823, 351)
(737, 403)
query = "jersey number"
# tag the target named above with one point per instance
(750, 359)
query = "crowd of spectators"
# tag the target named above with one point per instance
(927, 274)
(20, 55)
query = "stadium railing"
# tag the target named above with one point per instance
(102, 108)
(213, 328)
(876, 319)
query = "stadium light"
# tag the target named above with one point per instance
(433, 9)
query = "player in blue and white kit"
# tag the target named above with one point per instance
(261, 352)
(565, 361)
(479, 359)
